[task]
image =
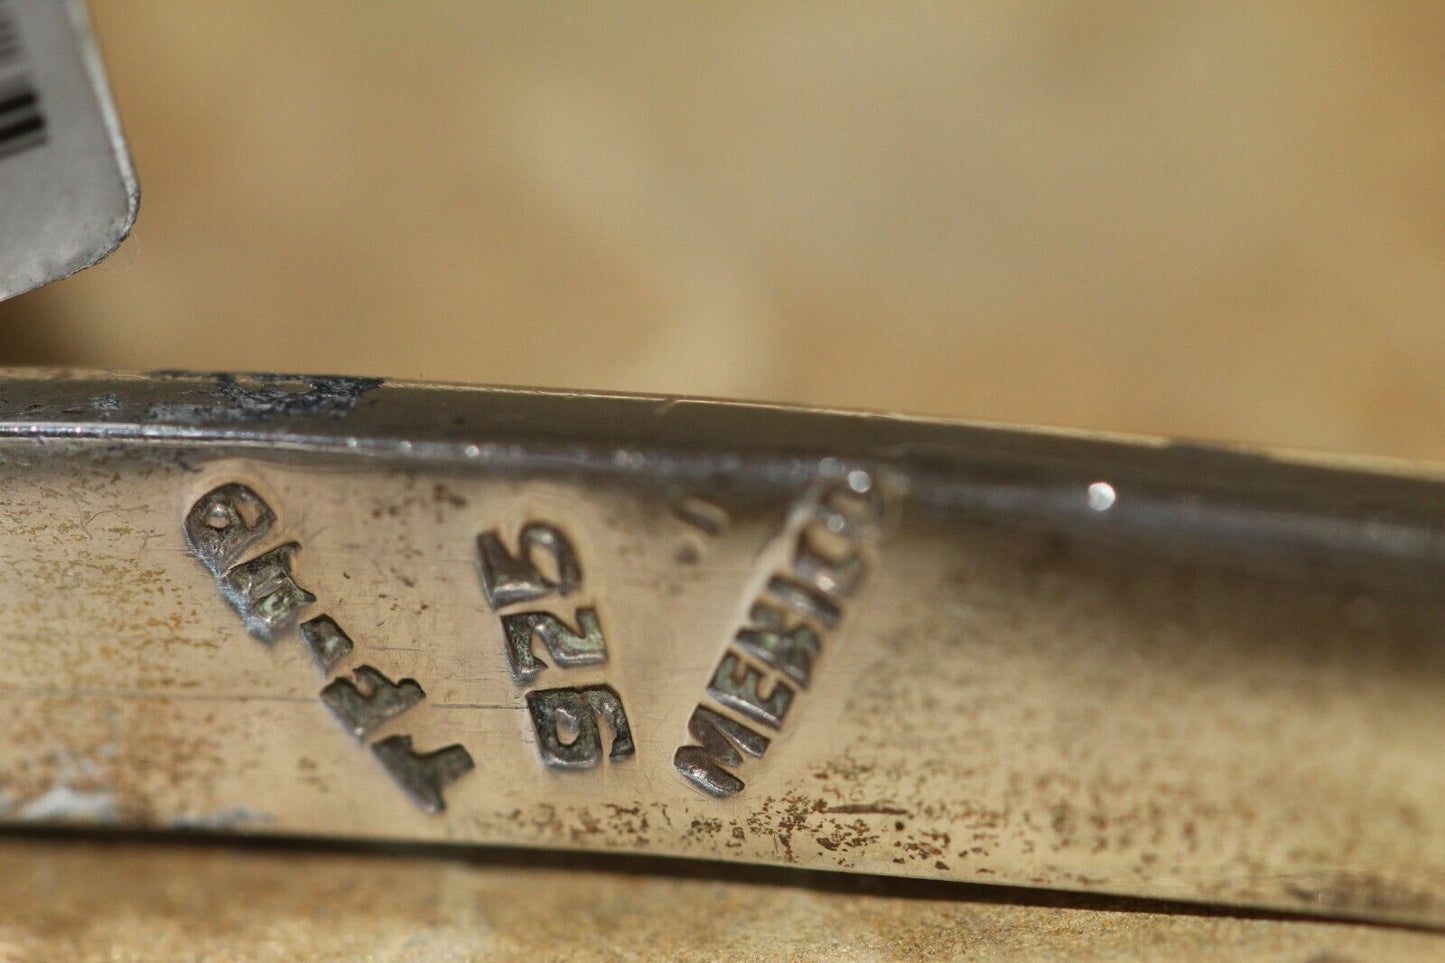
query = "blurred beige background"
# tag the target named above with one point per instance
(1224, 221)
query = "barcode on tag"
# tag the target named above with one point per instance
(9, 41)
(22, 124)
(67, 191)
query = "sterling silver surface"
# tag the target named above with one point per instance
(342, 607)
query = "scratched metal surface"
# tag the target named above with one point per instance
(1222, 685)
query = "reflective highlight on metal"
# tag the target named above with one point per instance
(722, 631)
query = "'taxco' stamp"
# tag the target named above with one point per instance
(223, 528)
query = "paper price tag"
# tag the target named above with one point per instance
(68, 194)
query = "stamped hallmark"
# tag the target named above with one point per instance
(363, 709)
(578, 712)
(264, 592)
(227, 524)
(328, 642)
(566, 720)
(771, 656)
(224, 524)
(423, 774)
(567, 646)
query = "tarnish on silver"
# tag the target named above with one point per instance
(567, 646)
(509, 579)
(230, 521)
(265, 593)
(566, 719)
(225, 524)
(719, 741)
(363, 709)
(423, 774)
(830, 535)
(579, 710)
(1043, 660)
(329, 643)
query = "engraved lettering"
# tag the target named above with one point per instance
(806, 600)
(832, 575)
(225, 523)
(508, 579)
(328, 642)
(362, 711)
(788, 623)
(789, 648)
(423, 775)
(718, 741)
(264, 592)
(567, 720)
(584, 646)
(736, 684)
(231, 521)
(579, 710)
